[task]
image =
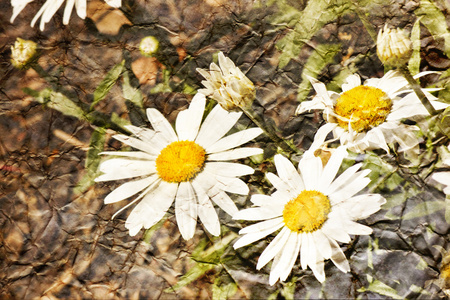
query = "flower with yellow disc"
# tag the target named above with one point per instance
(314, 211)
(187, 166)
(368, 116)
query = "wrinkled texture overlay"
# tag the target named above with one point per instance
(58, 238)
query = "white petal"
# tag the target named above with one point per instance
(274, 247)
(352, 81)
(288, 173)
(259, 213)
(307, 256)
(265, 200)
(68, 11)
(442, 177)
(353, 186)
(133, 154)
(81, 8)
(152, 207)
(228, 169)
(129, 189)
(234, 140)
(224, 202)
(161, 125)
(138, 144)
(332, 167)
(235, 154)
(120, 168)
(186, 210)
(281, 186)
(356, 228)
(338, 257)
(311, 170)
(206, 212)
(261, 226)
(343, 179)
(290, 254)
(188, 121)
(114, 3)
(322, 243)
(216, 125)
(334, 229)
(362, 206)
(321, 135)
(269, 227)
(232, 185)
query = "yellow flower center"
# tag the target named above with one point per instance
(365, 107)
(307, 212)
(180, 161)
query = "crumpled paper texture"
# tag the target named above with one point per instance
(55, 243)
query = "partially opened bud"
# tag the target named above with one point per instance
(393, 46)
(23, 52)
(227, 85)
(149, 45)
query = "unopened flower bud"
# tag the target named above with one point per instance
(23, 52)
(149, 45)
(227, 85)
(393, 47)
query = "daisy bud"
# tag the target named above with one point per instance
(393, 46)
(22, 52)
(227, 85)
(149, 45)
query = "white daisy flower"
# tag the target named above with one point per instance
(227, 84)
(187, 166)
(368, 116)
(314, 211)
(51, 6)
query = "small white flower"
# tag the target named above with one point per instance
(314, 211)
(227, 84)
(149, 45)
(393, 46)
(22, 52)
(368, 116)
(51, 6)
(186, 166)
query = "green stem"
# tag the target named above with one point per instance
(417, 89)
(270, 132)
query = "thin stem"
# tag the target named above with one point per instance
(420, 94)
(284, 145)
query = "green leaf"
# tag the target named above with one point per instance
(198, 270)
(316, 14)
(223, 291)
(131, 93)
(423, 209)
(163, 87)
(414, 61)
(96, 145)
(322, 56)
(381, 288)
(435, 21)
(57, 101)
(107, 83)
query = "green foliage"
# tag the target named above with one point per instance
(93, 158)
(381, 288)
(223, 289)
(434, 19)
(205, 260)
(414, 61)
(131, 93)
(316, 14)
(322, 56)
(107, 83)
(57, 101)
(424, 209)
